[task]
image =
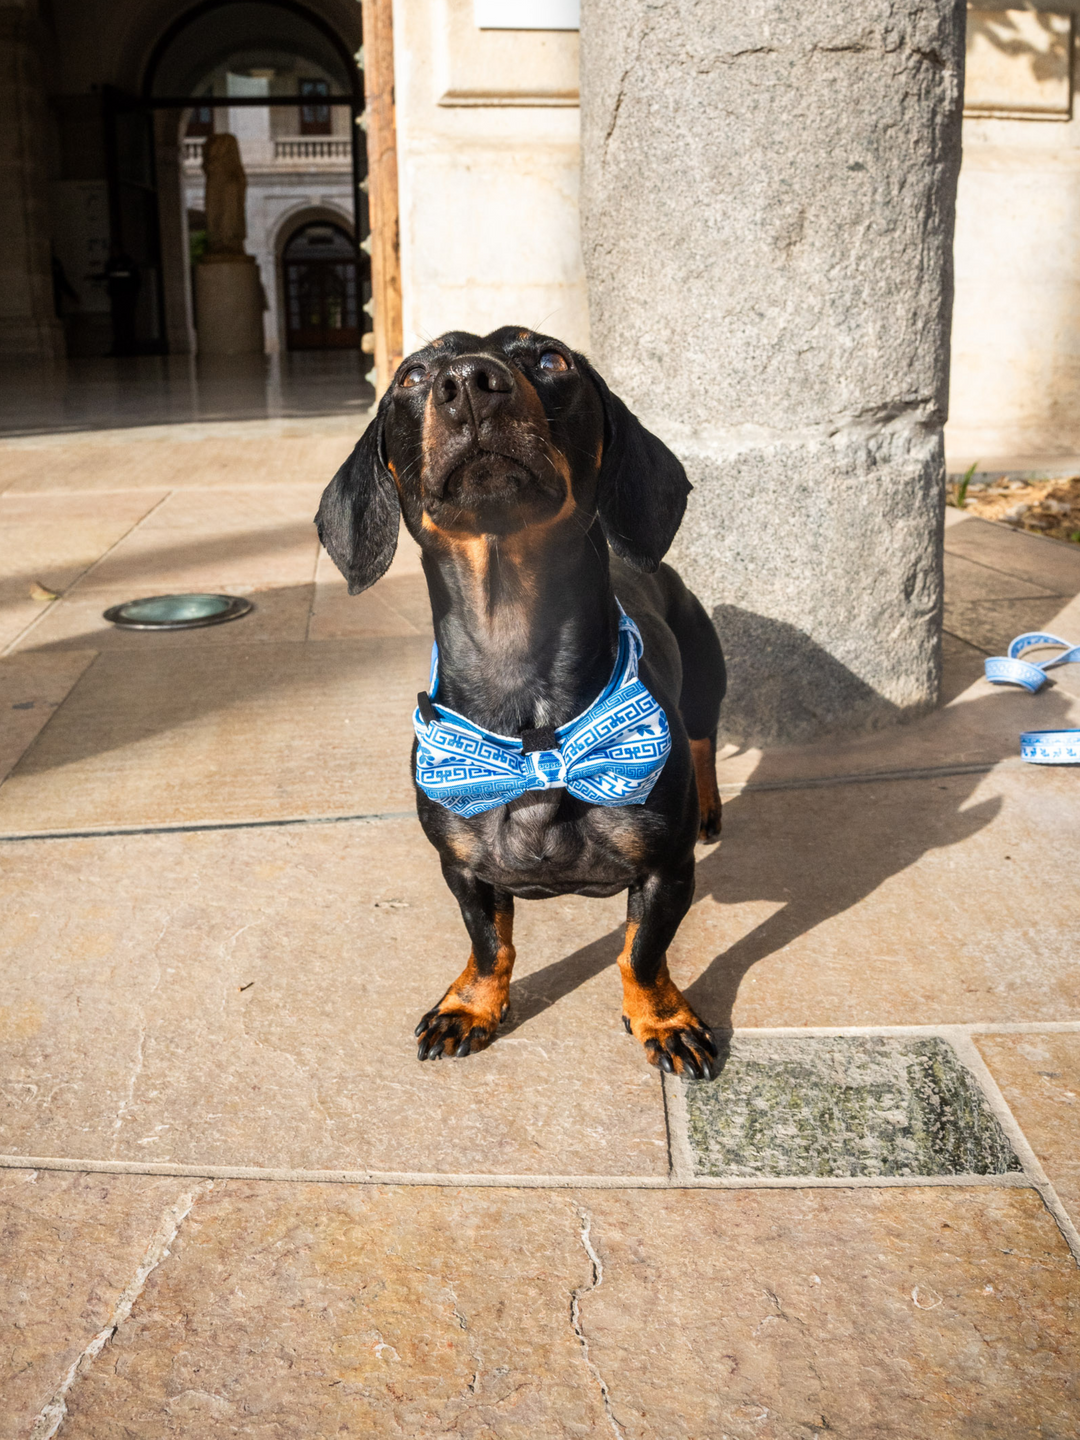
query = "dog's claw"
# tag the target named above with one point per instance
(694, 1046)
(453, 1033)
(685, 1051)
(626, 1024)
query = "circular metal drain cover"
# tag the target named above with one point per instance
(177, 612)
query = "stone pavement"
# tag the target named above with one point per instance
(235, 1205)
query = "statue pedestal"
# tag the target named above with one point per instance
(229, 306)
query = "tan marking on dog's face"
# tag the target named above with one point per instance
(427, 434)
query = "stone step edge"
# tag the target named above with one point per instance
(1013, 1179)
(981, 767)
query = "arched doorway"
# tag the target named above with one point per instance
(323, 288)
(276, 75)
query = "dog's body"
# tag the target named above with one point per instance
(516, 469)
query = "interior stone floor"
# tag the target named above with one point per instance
(110, 392)
(232, 1202)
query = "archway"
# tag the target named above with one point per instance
(276, 75)
(323, 287)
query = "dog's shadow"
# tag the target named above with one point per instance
(818, 851)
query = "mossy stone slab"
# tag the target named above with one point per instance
(844, 1106)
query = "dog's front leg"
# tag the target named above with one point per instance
(468, 1015)
(654, 1010)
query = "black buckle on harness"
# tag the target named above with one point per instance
(427, 710)
(543, 738)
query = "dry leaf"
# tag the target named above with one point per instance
(42, 592)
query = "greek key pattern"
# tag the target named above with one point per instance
(611, 754)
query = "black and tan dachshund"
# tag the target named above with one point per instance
(537, 498)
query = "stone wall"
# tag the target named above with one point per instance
(767, 217)
(1016, 330)
(488, 128)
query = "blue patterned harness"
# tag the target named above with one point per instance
(611, 754)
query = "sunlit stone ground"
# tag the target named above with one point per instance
(234, 1204)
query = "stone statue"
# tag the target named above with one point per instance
(229, 299)
(226, 188)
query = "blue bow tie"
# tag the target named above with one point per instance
(611, 754)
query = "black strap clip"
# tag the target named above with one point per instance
(428, 713)
(543, 738)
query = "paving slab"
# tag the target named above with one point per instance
(77, 622)
(1052, 564)
(181, 457)
(980, 727)
(1039, 1076)
(32, 687)
(225, 732)
(977, 723)
(891, 903)
(396, 605)
(992, 624)
(342, 935)
(961, 666)
(882, 1315)
(843, 1105)
(72, 1245)
(967, 579)
(291, 1310)
(249, 998)
(193, 541)
(51, 540)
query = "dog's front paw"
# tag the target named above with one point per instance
(468, 1015)
(673, 1036)
(453, 1029)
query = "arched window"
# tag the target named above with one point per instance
(321, 291)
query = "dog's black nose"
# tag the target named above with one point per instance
(472, 387)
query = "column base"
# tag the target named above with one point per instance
(819, 561)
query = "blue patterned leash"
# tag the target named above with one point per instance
(1009, 669)
(1039, 747)
(611, 754)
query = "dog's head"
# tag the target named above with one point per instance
(513, 432)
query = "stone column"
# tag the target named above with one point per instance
(29, 329)
(173, 230)
(767, 217)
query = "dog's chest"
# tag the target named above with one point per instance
(548, 844)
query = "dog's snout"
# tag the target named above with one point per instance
(476, 383)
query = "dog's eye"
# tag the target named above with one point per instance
(553, 362)
(416, 376)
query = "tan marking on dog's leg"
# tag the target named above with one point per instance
(659, 1016)
(476, 1002)
(703, 754)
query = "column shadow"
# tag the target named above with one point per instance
(818, 851)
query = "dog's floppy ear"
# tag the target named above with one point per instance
(359, 513)
(642, 485)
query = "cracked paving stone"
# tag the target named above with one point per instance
(249, 998)
(70, 1244)
(1040, 1078)
(290, 1310)
(844, 1105)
